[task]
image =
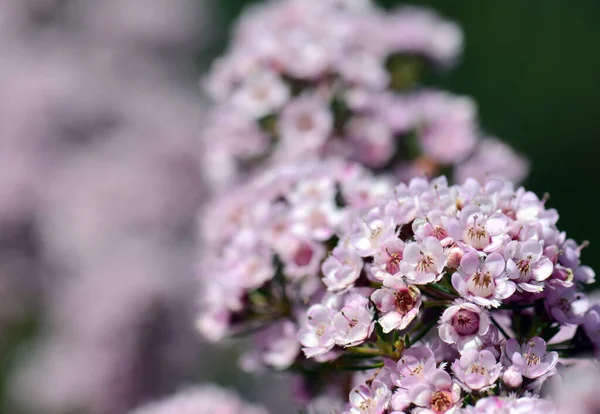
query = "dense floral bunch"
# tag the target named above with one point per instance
(341, 77)
(264, 245)
(486, 266)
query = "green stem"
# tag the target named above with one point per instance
(502, 331)
(424, 332)
(367, 351)
(435, 304)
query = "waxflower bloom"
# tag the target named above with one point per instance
(464, 324)
(483, 281)
(437, 392)
(338, 79)
(398, 304)
(352, 324)
(341, 268)
(476, 370)
(566, 305)
(317, 336)
(531, 358)
(423, 262)
(526, 265)
(369, 400)
(386, 262)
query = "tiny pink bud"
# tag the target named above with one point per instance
(455, 254)
(512, 378)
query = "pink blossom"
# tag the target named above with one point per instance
(527, 266)
(398, 303)
(416, 363)
(317, 335)
(369, 400)
(566, 305)
(386, 262)
(496, 404)
(341, 268)
(261, 95)
(305, 125)
(476, 370)
(483, 281)
(372, 232)
(207, 399)
(352, 325)
(591, 325)
(464, 324)
(482, 231)
(531, 359)
(437, 392)
(276, 347)
(493, 159)
(423, 262)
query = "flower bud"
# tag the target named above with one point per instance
(512, 378)
(455, 254)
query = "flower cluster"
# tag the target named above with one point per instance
(264, 245)
(343, 78)
(485, 263)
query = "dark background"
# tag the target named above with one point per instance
(534, 68)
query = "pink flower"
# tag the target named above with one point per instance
(206, 399)
(483, 281)
(352, 325)
(387, 259)
(464, 324)
(526, 265)
(436, 224)
(482, 231)
(398, 303)
(261, 95)
(341, 268)
(316, 221)
(493, 159)
(531, 359)
(305, 125)
(591, 325)
(371, 232)
(566, 305)
(476, 370)
(275, 347)
(317, 335)
(449, 133)
(423, 262)
(416, 361)
(530, 405)
(437, 392)
(302, 257)
(369, 400)
(373, 141)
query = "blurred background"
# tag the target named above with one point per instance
(99, 183)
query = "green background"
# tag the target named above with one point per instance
(533, 67)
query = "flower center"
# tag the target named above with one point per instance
(465, 322)
(531, 358)
(524, 266)
(426, 264)
(441, 401)
(440, 233)
(475, 368)
(303, 255)
(404, 301)
(305, 122)
(393, 263)
(481, 284)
